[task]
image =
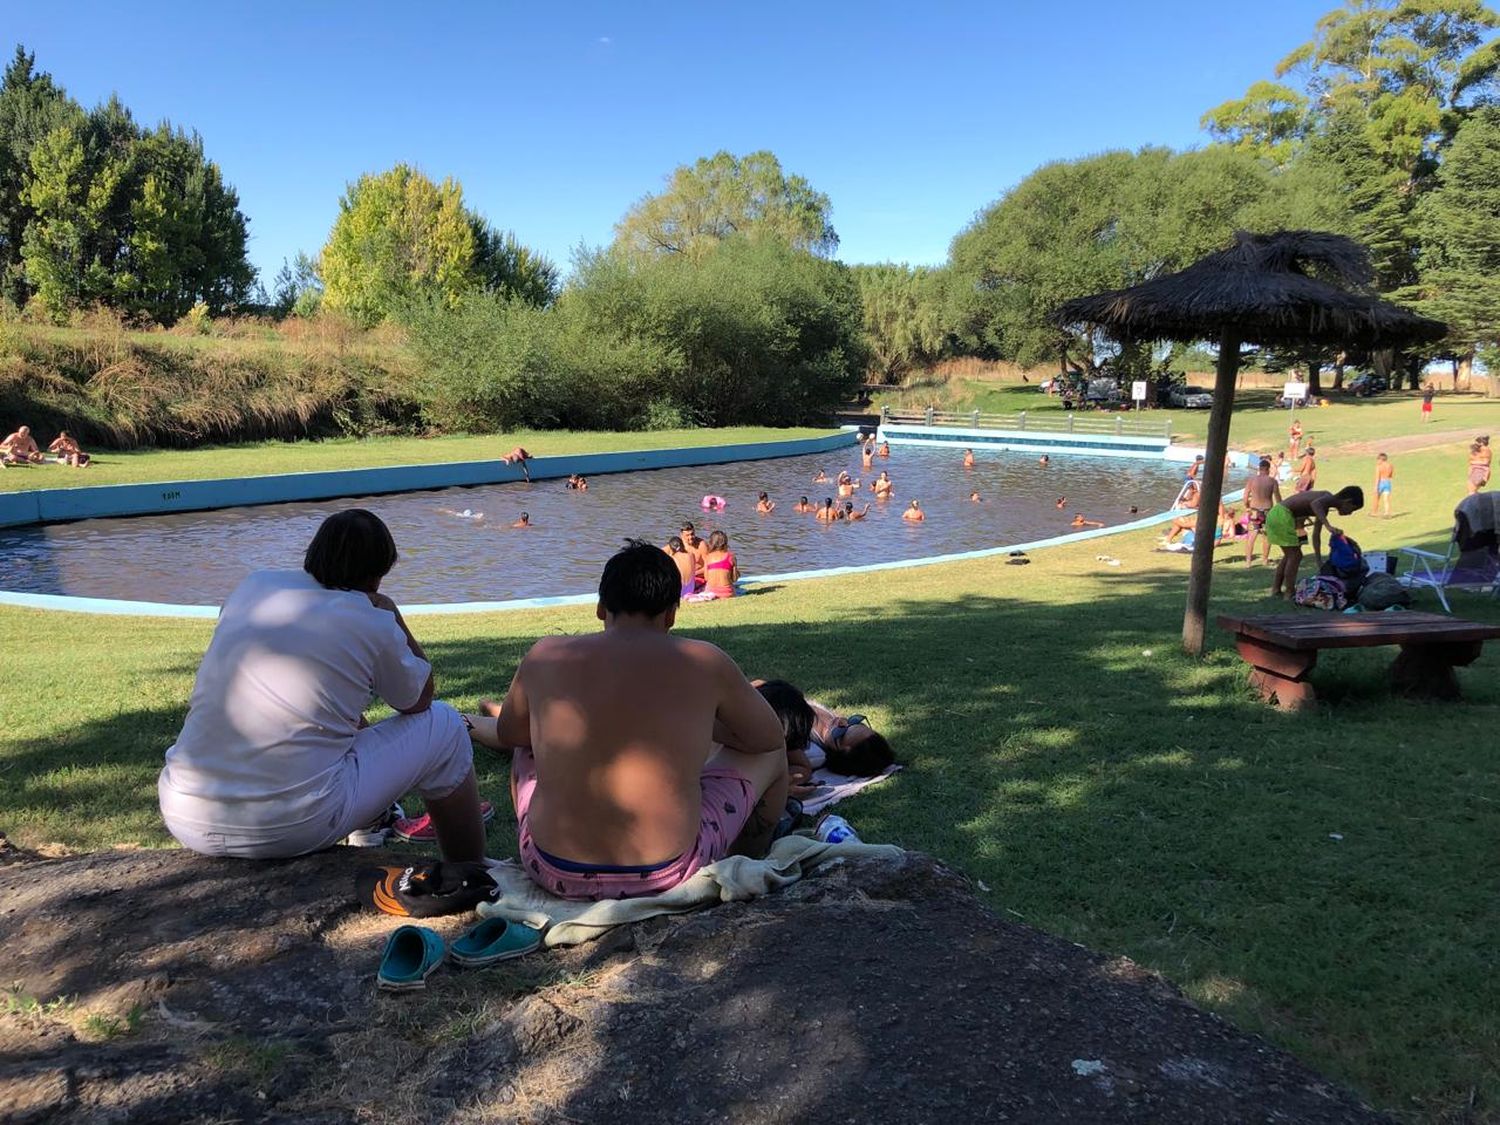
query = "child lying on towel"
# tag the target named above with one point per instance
(819, 737)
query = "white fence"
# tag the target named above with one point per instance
(1046, 422)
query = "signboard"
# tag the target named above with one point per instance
(1294, 391)
(1138, 390)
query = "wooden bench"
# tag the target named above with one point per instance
(1283, 648)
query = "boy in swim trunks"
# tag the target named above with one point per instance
(1385, 473)
(1262, 493)
(1285, 519)
(619, 788)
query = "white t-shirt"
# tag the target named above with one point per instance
(291, 668)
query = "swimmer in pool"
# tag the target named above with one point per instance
(524, 521)
(466, 514)
(975, 498)
(867, 457)
(1134, 511)
(828, 512)
(914, 513)
(765, 505)
(583, 484)
(1079, 521)
(885, 449)
(968, 458)
(883, 486)
(518, 456)
(851, 514)
(803, 505)
(1044, 460)
(573, 480)
(821, 478)
(1062, 502)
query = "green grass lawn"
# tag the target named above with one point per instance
(1325, 879)
(261, 458)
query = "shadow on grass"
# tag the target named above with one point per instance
(1310, 876)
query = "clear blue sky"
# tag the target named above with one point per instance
(911, 117)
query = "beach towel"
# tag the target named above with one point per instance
(834, 787)
(734, 879)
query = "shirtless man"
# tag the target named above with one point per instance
(1079, 521)
(1307, 471)
(686, 564)
(1385, 477)
(524, 521)
(1284, 520)
(847, 488)
(698, 548)
(1262, 493)
(968, 458)
(20, 448)
(803, 506)
(914, 513)
(851, 514)
(68, 451)
(867, 457)
(883, 485)
(518, 456)
(765, 505)
(638, 749)
(975, 498)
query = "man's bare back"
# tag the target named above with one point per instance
(622, 724)
(1261, 491)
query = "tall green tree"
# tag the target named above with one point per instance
(905, 317)
(724, 195)
(32, 105)
(1269, 121)
(398, 237)
(1459, 270)
(505, 267)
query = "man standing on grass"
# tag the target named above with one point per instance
(1284, 523)
(1262, 493)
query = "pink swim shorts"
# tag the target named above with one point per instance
(728, 796)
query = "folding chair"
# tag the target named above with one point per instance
(1472, 561)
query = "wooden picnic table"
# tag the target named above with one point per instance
(1283, 648)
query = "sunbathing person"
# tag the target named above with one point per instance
(914, 513)
(1285, 520)
(849, 745)
(67, 451)
(20, 448)
(274, 759)
(619, 791)
(687, 565)
(796, 718)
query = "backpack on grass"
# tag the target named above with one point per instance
(1321, 591)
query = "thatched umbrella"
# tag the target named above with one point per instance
(1288, 288)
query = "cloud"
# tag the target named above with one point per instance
(604, 40)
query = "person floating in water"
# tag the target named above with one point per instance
(518, 456)
(524, 521)
(1079, 521)
(828, 512)
(851, 514)
(466, 514)
(914, 513)
(765, 505)
(968, 458)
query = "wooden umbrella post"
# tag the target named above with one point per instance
(1210, 489)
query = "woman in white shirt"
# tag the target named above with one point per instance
(274, 759)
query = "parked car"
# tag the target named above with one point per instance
(1103, 391)
(1367, 384)
(1193, 398)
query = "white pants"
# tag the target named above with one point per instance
(429, 752)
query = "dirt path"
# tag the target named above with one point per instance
(1410, 443)
(200, 990)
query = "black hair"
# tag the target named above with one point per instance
(871, 756)
(351, 549)
(687, 525)
(828, 501)
(718, 541)
(848, 505)
(804, 500)
(640, 580)
(676, 543)
(763, 496)
(526, 516)
(792, 709)
(1352, 494)
(1265, 463)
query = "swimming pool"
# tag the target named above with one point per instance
(198, 557)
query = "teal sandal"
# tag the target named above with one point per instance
(494, 939)
(411, 955)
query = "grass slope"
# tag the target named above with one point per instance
(263, 458)
(1058, 747)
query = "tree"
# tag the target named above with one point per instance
(1269, 121)
(31, 107)
(1459, 271)
(905, 319)
(724, 195)
(398, 237)
(505, 267)
(52, 244)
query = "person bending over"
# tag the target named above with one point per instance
(1284, 521)
(619, 790)
(20, 448)
(275, 759)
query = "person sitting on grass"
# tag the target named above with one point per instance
(720, 570)
(686, 563)
(1284, 523)
(66, 450)
(618, 788)
(275, 758)
(20, 448)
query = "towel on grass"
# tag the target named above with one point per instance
(834, 787)
(734, 879)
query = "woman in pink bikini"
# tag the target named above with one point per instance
(720, 571)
